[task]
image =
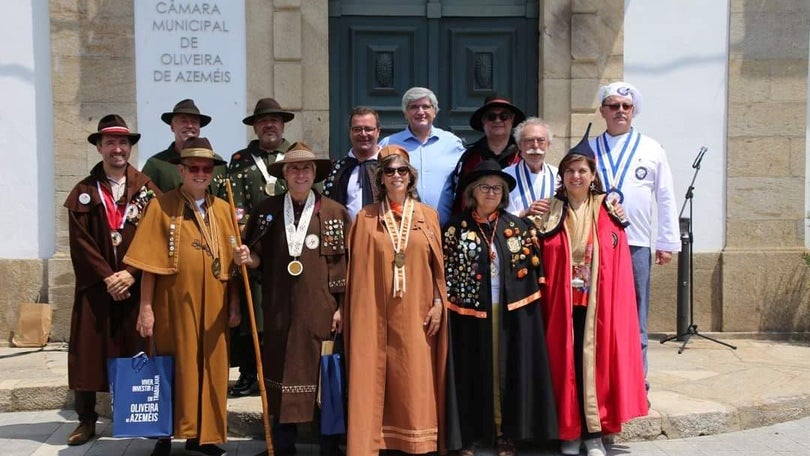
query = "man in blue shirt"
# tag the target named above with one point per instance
(434, 152)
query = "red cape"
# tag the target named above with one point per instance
(616, 388)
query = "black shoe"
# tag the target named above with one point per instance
(206, 449)
(163, 447)
(247, 385)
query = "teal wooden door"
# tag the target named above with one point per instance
(463, 50)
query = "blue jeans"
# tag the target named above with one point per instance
(642, 262)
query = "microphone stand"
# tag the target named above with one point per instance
(686, 329)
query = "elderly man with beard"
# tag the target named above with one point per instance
(536, 179)
(252, 184)
(185, 121)
(635, 172)
(350, 182)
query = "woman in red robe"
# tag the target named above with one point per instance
(589, 309)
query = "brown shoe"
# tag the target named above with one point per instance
(82, 434)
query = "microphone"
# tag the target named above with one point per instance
(699, 158)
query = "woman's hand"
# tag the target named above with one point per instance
(433, 321)
(241, 255)
(337, 322)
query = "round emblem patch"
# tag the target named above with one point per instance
(84, 198)
(641, 173)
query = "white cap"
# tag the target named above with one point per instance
(622, 89)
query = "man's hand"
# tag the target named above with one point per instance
(537, 208)
(662, 257)
(146, 321)
(118, 284)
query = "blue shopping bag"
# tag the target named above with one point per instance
(141, 395)
(332, 415)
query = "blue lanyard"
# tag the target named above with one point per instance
(615, 167)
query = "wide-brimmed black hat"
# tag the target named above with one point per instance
(488, 168)
(495, 101)
(113, 124)
(583, 147)
(301, 152)
(268, 106)
(186, 106)
(197, 148)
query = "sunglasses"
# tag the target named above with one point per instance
(200, 169)
(402, 171)
(616, 106)
(503, 116)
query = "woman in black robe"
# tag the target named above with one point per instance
(499, 385)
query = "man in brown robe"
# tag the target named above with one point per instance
(298, 239)
(103, 212)
(183, 246)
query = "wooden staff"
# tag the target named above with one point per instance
(268, 434)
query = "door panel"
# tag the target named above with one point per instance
(462, 58)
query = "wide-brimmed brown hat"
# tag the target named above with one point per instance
(268, 106)
(301, 152)
(197, 148)
(113, 124)
(186, 106)
(495, 101)
(488, 168)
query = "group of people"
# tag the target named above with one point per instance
(483, 297)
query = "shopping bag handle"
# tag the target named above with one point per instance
(139, 361)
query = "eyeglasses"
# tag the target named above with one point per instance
(503, 116)
(616, 106)
(402, 171)
(539, 140)
(417, 107)
(361, 130)
(496, 189)
(200, 169)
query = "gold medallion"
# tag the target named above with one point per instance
(116, 238)
(295, 268)
(399, 259)
(513, 244)
(216, 267)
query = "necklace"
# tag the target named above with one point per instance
(489, 219)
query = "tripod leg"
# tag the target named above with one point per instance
(715, 340)
(688, 337)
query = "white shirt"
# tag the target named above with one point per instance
(354, 192)
(646, 185)
(541, 185)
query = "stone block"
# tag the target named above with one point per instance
(775, 234)
(783, 119)
(766, 290)
(584, 70)
(764, 198)
(585, 6)
(584, 94)
(769, 35)
(759, 157)
(287, 35)
(707, 294)
(316, 81)
(288, 87)
(316, 130)
(588, 37)
(556, 40)
(798, 156)
(789, 81)
(260, 39)
(555, 99)
(613, 68)
(748, 80)
(279, 4)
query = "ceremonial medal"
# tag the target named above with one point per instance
(614, 194)
(399, 259)
(312, 241)
(513, 244)
(493, 270)
(295, 268)
(84, 198)
(270, 188)
(216, 267)
(577, 282)
(116, 238)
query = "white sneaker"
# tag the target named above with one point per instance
(595, 447)
(570, 447)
